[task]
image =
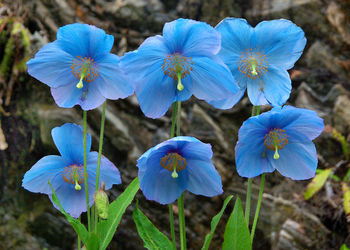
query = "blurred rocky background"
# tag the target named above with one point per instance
(28, 113)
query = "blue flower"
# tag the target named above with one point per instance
(66, 172)
(180, 63)
(179, 164)
(259, 59)
(79, 68)
(279, 139)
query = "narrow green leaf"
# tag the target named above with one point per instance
(317, 183)
(107, 228)
(344, 247)
(93, 242)
(214, 223)
(79, 228)
(346, 196)
(151, 236)
(237, 235)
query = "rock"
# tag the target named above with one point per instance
(266, 7)
(340, 20)
(341, 114)
(293, 236)
(322, 55)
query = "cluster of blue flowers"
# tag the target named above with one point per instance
(190, 58)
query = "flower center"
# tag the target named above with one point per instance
(74, 174)
(252, 63)
(177, 67)
(173, 162)
(84, 68)
(276, 139)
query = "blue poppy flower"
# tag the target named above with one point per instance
(79, 68)
(279, 139)
(179, 164)
(66, 172)
(180, 63)
(259, 59)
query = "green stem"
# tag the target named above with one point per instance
(172, 228)
(102, 129)
(257, 110)
(258, 206)
(249, 187)
(85, 171)
(180, 203)
(171, 214)
(178, 119)
(253, 111)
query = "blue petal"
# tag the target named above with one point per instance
(235, 38)
(203, 179)
(228, 102)
(109, 174)
(159, 150)
(84, 40)
(191, 38)
(307, 123)
(251, 158)
(73, 201)
(47, 168)
(281, 40)
(212, 80)
(112, 83)
(157, 183)
(156, 93)
(297, 161)
(192, 148)
(69, 141)
(256, 92)
(91, 97)
(88, 97)
(51, 65)
(148, 58)
(277, 86)
(67, 96)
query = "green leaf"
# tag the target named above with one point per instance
(151, 236)
(79, 228)
(107, 228)
(346, 201)
(317, 183)
(344, 247)
(214, 223)
(237, 236)
(93, 242)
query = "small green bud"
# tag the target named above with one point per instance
(102, 203)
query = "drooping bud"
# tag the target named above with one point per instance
(101, 202)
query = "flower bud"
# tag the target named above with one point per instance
(102, 203)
